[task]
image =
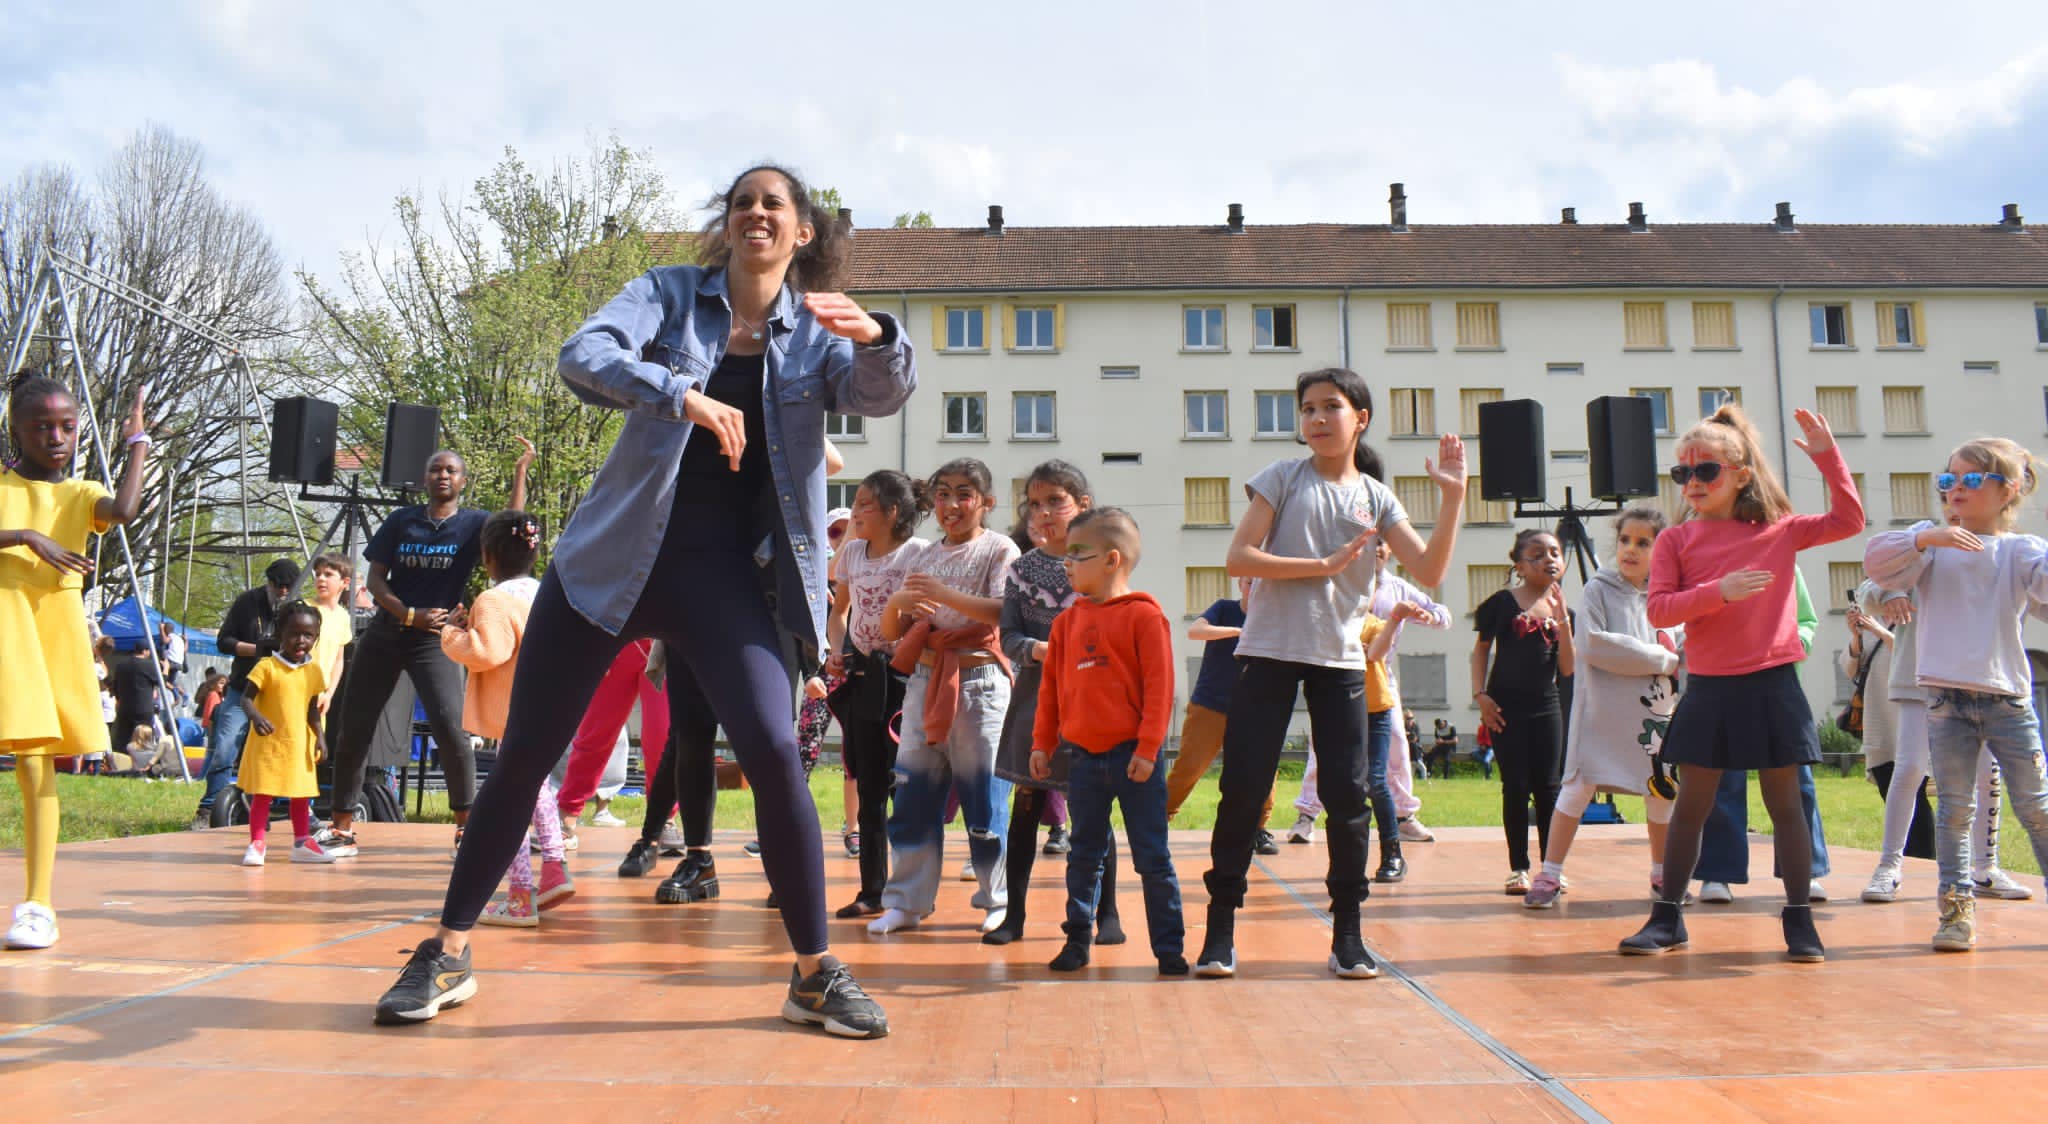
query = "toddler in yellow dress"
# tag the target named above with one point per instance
(279, 757)
(46, 667)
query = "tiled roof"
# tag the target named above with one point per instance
(1331, 255)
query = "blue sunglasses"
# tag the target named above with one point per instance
(1947, 481)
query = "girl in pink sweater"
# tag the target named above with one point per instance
(1725, 574)
(485, 639)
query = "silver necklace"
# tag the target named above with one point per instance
(754, 330)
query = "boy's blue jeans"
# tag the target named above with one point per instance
(966, 759)
(1958, 723)
(224, 745)
(1097, 779)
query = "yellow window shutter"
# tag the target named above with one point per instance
(1059, 326)
(938, 327)
(1919, 326)
(1008, 326)
(988, 313)
(1886, 336)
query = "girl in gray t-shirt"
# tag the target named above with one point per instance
(1306, 539)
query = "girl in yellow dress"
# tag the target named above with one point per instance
(46, 669)
(282, 750)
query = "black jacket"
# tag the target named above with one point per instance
(250, 620)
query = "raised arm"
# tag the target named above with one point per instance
(1429, 563)
(122, 506)
(519, 473)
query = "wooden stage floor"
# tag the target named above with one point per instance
(187, 985)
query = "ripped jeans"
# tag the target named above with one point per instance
(965, 759)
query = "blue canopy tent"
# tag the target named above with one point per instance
(125, 624)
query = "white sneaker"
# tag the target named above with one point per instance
(35, 926)
(1413, 831)
(1884, 884)
(1716, 893)
(994, 920)
(967, 871)
(339, 844)
(2001, 885)
(1304, 829)
(201, 821)
(254, 855)
(893, 919)
(1815, 892)
(671, 840)
(308, 851)
(606, 819)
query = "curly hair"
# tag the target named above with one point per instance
(511, 539)
(819, 265)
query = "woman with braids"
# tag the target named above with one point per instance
(705, 529)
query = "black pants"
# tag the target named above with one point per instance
(687, 777)
(385, 649)
(705, 602)
(1260, 709)
(1920, 836)
(1027, 807)
(1530, 753)
(871, 695)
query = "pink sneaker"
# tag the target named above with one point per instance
(513, 911)
(556, 886)
(1542, 893)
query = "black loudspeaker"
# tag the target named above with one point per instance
(411, 434)
(1511, 450)
(302, 440)
(1622, 447)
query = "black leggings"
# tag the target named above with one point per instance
(687, 777)
(1027, 807)
(385, 649)
(707, 606)
(1530, 753)
(872, 694)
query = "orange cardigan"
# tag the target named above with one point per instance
(489, 648)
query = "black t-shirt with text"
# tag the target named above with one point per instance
(429, 561)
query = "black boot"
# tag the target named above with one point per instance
(695, 880)
(1109, 921)
(1074, 955)
(1393, 867)
(1802, 942)
(1219, 952)
(1019, 855)
(1665, 931)
(1349, 959)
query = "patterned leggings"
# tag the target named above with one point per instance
(547, 823)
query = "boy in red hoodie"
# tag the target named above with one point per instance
(1105, 702)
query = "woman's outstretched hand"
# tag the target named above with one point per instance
(839, 315)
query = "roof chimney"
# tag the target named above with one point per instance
(611, 227)
(1638, 222)
(846, 217)
(1235, 222)
(1784, 221)
(1397, 207)
(2012, 220)
(995, 220)
(1569, 216)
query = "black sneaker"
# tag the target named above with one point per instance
(1057, 841)
(1349, 959)
(640, 860)
(751, 848)
(429, 981)
(1265, 844)
(695, 880)
(829, 998)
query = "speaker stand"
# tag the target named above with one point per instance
(354, 515)
(1571, 529)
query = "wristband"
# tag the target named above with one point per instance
(138, 439)
(408, 616)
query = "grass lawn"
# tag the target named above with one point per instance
(107, 807)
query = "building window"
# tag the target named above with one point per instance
(1980, 366)
(1034, 329)
(1843, 578)
(2041, 324)
(1031, 414)
(839, 493)
(1414, 410)
(1481, 512)
(1568, 456)
(1208, 501)
(1905, 410)
(1713, 326)
(1276, 413)
(966, 329)
(1123, 458)
(1479, 324)
(1206, 586)
(1469, 401)
(966, 417)
(1830, 323)
(1274, 327)
(1202, 328)
(1408, 327)
(1714, 397)
(1660, 407)
(1424, 686)
(1119, 372)
(1568, 370)
(846, 427)
(1912, 497)
(1207, 413)
(1420, 497)
(1838, 405)
(1483, 580)
(1643, 325)
(1898, 325)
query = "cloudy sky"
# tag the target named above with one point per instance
(315, 116)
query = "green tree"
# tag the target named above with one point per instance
(922, 220)
(469, 311)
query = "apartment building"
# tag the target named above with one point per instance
(1162, 361)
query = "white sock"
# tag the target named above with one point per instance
(1657, 872)
(1552, 869)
